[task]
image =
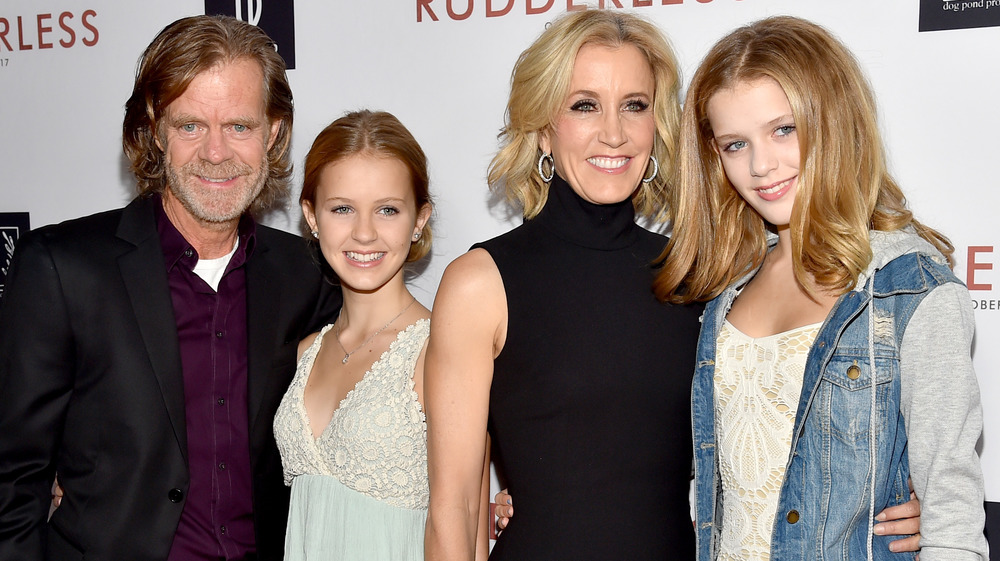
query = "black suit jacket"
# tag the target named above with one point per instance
(91, 386)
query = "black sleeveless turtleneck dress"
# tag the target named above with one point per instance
(590, 403)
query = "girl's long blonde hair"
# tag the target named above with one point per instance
(844, 187)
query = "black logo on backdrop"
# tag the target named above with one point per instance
(275, 17)
(936, 15)
(12, 226)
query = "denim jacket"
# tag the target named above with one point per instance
(825, 509)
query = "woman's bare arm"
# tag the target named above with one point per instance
(467, 327)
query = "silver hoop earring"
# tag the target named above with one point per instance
(656, 170)
(315, 234)
(552, 165)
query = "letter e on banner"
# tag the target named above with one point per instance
(972, 266)
(42, 30)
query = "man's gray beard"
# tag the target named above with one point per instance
(235, 203)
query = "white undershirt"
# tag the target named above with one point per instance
(211, 270)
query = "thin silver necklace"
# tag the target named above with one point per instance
(347, 354)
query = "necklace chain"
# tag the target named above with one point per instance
(347, 354)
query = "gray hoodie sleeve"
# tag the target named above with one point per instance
(944, 419)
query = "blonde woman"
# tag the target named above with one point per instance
(550, 335)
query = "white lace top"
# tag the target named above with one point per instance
(376, 442)
(758, 382)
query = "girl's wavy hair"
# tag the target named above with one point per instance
(540, 82)
(377, 134)
(844, 187)
(181, 51)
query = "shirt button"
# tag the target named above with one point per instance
(222, 465)
(792, 517)
(218, 334)
(222, 401)
(853, 372)
(188, 252)
(175, 495)
(222, 529)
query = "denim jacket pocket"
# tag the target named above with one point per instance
(847, 394)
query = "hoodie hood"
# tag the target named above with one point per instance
(887, 246)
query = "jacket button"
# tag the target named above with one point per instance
(853, 372)
(175, 495)
(792, 517)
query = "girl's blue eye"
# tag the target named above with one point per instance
(342, 209)
(734, 146)
(785, 130)
(388, 211)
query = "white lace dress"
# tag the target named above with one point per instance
(359, 491)
(757, 386)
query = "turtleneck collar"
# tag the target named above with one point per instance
(580, 222)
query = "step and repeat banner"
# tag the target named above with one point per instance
(443, 66)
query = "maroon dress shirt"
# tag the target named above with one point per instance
(217, 521)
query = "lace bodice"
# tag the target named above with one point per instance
(757, 386)
(376, 442)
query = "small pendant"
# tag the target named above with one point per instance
(346, 357)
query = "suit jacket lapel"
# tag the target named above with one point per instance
(145, 278)
(264, 296)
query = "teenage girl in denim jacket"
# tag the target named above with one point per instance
(821, 281)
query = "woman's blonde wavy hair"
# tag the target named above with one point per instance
(844, 188)
(539, 85)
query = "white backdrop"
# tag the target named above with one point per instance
(447, 79)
